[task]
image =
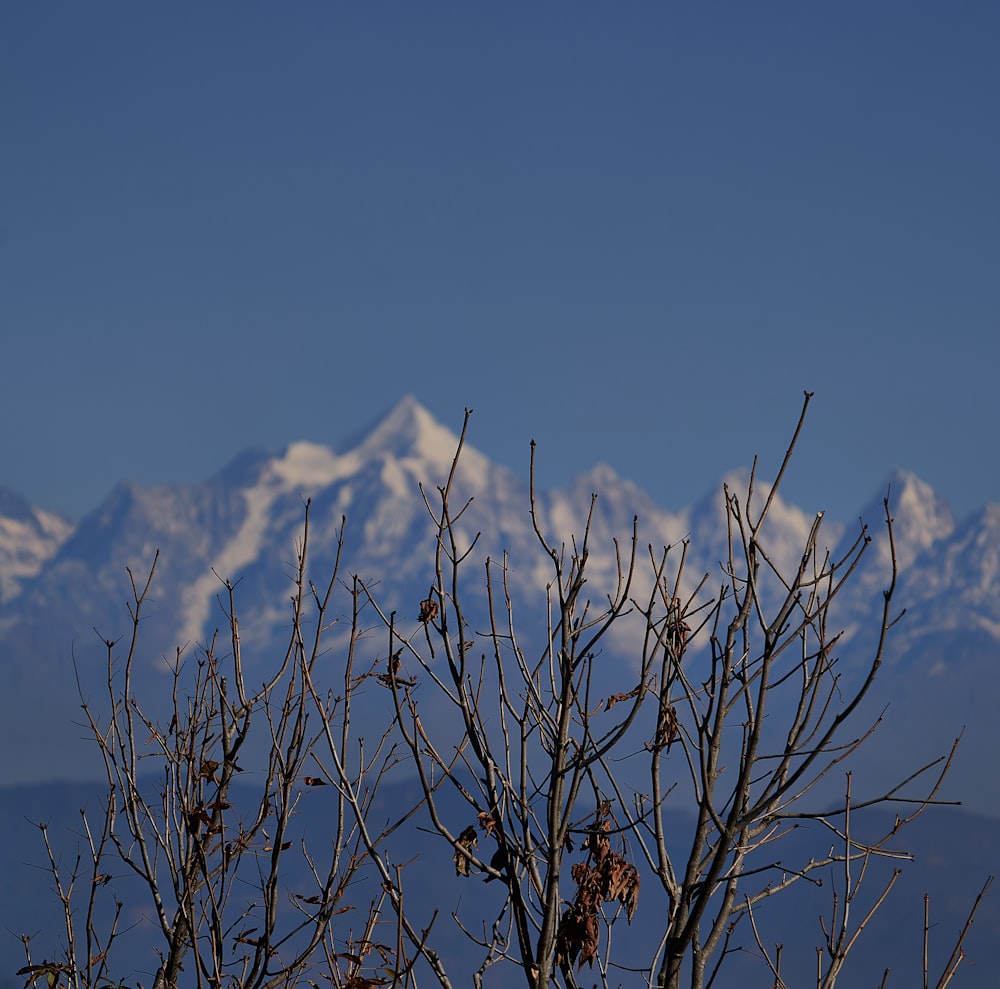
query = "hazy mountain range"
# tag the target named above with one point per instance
(60, 580)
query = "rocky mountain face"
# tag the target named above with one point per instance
(60, 582)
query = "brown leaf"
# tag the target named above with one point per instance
(364, 946)
(615, 698)
(614, 875)
(629, 895)
(208, 768)
(196, 818)
(387, 681)
(666, 726)
(590, 943)
(677, 627)
(578, 936)
(394, 661)
(428, 610)
(313, 781)
(487, 823)
(243, 935)
(466, 840)
(49, 969)
(597, 840)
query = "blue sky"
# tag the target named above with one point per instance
(635, 232)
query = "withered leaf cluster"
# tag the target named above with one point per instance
(468, 839)
(604, 876)
(666, 726)
(677, 629)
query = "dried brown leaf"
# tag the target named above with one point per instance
(468, 839)
(615, 698)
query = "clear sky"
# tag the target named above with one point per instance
(633, 231)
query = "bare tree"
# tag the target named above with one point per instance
(748, 714)
(734, 710)
(214, 856)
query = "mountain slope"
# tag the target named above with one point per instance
(29, 536)
(61, 583)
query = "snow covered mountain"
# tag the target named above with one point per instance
(28, 537)
(59, 582)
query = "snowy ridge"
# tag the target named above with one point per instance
(375, 482)
(58, 582)
(303, 468)
(29, 536)
(404, 449)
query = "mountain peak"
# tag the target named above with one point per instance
(921, 517)
(14, 506)
(408, 430)
(906, 489)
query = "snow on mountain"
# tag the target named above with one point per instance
(59, 583)
(565, 513)
(782, 536)
(28, 537)
(971, 561)
(921, 518)
(409, 433)
(374, 482)
(954, 585)
(923, 526)
(302, 469)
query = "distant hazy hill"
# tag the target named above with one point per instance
(953, 854)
